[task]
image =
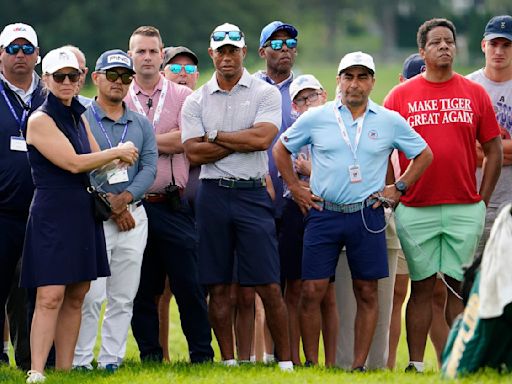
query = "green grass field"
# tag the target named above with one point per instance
(181, 372)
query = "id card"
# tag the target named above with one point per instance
(117, 176)
(18, 143)
(355, 173)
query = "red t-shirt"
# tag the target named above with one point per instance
(450, 116)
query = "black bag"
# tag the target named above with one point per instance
(102, 207)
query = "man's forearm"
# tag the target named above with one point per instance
(284, 164)
(417, 166)
(257, 138)
(170, 142)
(201, 152)
(491, 168)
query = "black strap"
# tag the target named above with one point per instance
(172, 173)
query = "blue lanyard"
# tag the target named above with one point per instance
(98, 120)
(24, 115)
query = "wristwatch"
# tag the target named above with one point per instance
(211, 136)
(401, 187)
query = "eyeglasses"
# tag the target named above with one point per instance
(60, 77)
(13, 49)
(300, 101)
(232, 35)
(176, 68)
(112, 76)
(276, 45)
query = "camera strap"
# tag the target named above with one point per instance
(172, 172)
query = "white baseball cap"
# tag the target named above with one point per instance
(356, 58)
(59, 58)
(237, 40)
(303, 82)
(18, 31)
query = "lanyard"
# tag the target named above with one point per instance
(159, 106)
(24, 115)
(337, 104)
(100, 124)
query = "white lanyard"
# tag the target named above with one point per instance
(159, 106)
(337, 104)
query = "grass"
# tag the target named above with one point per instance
(179, 371)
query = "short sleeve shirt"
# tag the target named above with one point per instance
(251, 101)
(451, 116)
(382, 131)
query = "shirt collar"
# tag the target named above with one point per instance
(158, 87)
(125, 118)
(263, 75)
(213, 85)
(25, 96)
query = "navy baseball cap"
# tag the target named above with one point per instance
(499, 26)
(274, 26)
(114, 58)
(413, 65)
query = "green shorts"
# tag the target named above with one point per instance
(439, 238)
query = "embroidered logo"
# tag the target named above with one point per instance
(373, 135)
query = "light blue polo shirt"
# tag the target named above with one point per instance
(383, 131)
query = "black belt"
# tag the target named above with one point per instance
(239, 184)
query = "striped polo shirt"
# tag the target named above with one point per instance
(249, 102)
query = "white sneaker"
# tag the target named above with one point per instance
(35, 377)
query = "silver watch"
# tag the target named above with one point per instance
(211, 136)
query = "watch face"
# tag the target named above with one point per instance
(400, 185)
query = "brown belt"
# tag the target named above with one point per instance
(155, 198)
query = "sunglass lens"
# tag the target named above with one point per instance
(218, 36)
(291, 43)
(190, 69)
(74, 76)
(235, 35)
(175, 68)
(59, 77)
(126, 78)
(111, 76)
(276, 44)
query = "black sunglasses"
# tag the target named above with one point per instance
(72, 76)
(112, 76)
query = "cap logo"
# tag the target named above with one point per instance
(63, 56)
(503, 25)
(19, 29)
(117, 59)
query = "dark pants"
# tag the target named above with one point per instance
(171, 250)
(12, 234)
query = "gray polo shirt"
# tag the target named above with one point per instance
(140, 132)
(210, 108)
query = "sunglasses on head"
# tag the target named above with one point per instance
(13, 49)
(112, 76)
(190, 69)
(73, 77)
(276, 45)
(232, 35)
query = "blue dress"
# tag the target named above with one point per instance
(64, 243)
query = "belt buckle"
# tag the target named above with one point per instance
(227, 183)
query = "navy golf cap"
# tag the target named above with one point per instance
(114, 58)
(499, 26)
(413, 65)
(274, 26)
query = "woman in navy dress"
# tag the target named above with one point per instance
(64, 245)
